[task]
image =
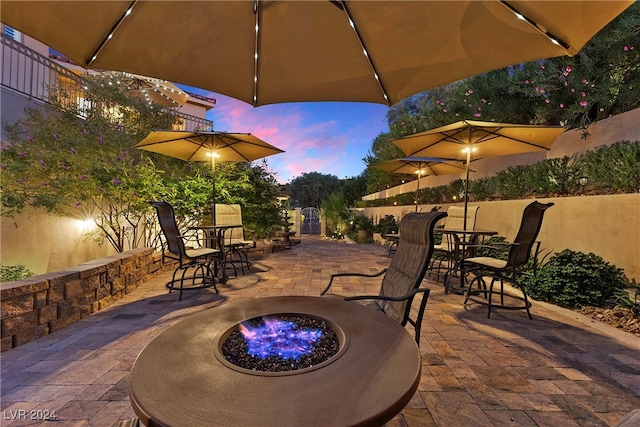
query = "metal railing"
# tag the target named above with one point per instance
(39, 78)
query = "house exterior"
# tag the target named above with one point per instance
(29, 70)
(41, 242)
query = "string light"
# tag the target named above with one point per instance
(539, 27)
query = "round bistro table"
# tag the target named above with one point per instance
(179, 380)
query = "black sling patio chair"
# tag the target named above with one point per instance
(198, 260)
(402, 279)
(500, 270)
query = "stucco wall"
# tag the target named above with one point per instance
(46, 243)
(607, 225)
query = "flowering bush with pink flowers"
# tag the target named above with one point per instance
(602, 80)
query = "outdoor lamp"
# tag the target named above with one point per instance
(468, 149)
(583, 180)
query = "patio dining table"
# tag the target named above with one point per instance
(214, 238)
(182, 379)
(462, 243)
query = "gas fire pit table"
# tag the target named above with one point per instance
(183, 379)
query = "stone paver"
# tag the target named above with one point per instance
(557, 369)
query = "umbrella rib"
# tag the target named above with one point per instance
(539, 27)
(365, 51)
(499, 135)
(256, 46)
(112, 31)
(199, 141)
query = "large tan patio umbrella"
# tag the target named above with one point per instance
(208, 147)
(470, 139)
(421, 166)
(266, 52)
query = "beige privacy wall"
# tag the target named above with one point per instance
(608, 226)
(45, 243)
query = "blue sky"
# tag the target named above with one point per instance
(326, 137)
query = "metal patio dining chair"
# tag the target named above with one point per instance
(402, 279)
(445, 254)
(236, 243)
(507, 270)
(199, 260)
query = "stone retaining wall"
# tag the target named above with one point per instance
(40, 305)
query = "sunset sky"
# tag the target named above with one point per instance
(326, 137)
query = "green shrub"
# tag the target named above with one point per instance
(615, 167)
(512, 182)
(9, 273)
(482, 188)
(561, 176)
(386, 225)
(574, 279)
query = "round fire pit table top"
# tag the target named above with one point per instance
(178, 381)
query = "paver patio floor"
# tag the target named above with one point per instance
(556, 370)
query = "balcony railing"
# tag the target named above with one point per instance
(37, 77)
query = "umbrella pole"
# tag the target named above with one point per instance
(466, 189)
(213, 175)
(418, 192)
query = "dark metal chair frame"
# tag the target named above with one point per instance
(508, 270)
(199, 259)
(402, 279)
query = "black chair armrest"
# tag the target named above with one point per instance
(333, 276)
(410, 295)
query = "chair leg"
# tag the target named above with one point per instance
(201, 272)
(527, 304)
(418, 322)
(490, 297)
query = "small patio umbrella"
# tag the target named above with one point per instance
(154, 90)
(421, 166)
(469, 138)
(207, 147)
(266, 52)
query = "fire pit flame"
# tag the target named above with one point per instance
(281, 338)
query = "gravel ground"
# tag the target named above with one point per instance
(618, 317)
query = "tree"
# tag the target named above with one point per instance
(354, 188)
(255, 189)
(311, 189)
(80, 162)
(83, 163)
(382, 149)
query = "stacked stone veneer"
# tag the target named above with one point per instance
(40, 305)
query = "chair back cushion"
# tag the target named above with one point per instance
(529, 228)
(230, 215)
(409, 264)
(169, 227)
(455, 220)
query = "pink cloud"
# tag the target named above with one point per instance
(313, 140)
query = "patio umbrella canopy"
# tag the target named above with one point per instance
(266, 52)
(208, 147)
(421, 166)
(154, 90)
(469, 139)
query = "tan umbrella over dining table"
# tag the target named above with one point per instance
(266, 52)
(470, 139)
(421, 166)
(208, 147)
